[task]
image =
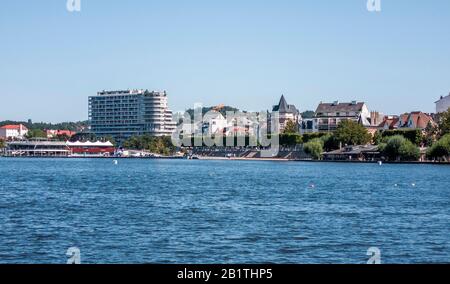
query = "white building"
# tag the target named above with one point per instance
(214, 123)
(329, 115)
(126, 113)
(287, 113)
(13, 131)
(443, 104)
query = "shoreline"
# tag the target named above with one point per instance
(322, 161)
(243, 160)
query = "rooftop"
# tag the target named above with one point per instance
(340, 107)
(284, 107)
(442, 97)
(120, 92)
(127, 92)
(16, 127)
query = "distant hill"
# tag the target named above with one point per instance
(72, 126)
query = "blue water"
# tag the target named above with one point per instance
(181, 211)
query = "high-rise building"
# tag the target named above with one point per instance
(127, 113)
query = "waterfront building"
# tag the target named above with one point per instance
(354, 153)
(122, 114)
(214, 123)
(308, 125)
(443, 104)
(37, 148)
(91, 149)
(55, 133)
(329, 115)
(46, 148)
(287, 113)
(13, 131)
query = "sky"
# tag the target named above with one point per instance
(243, 53)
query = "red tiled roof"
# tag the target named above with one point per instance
(420, 119)
(403, 119)
(60, 132)
(390, 122)
(10, 126)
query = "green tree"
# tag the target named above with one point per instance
(391, 149)
(291, 127)
(444, 123)
(431, 133)
(330, 142)
(307, 137)
(400, 148)
(308, 114)
(290, 139)
(36, 133)
(377, 138)
(440, 149)
(73, 126)
(157, 145)
(352, 133)
(413, 135)
(314, 148)
(2, 144)
(408, 151)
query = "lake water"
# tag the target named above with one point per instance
(191, 211)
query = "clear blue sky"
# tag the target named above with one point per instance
(244, 53)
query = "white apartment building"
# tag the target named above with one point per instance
(443, 104)
(122, 114)
(329, 115)
(13, 131)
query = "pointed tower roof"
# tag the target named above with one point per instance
(284, 107)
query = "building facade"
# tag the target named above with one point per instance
(287, 113)
(329, 115)
(443, 104)
(37, 148)
(13, 132)
(91, 149)
(51, 133)
(416, 120)
(123, 114)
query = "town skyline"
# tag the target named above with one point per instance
(268, 108)
(244, 55)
